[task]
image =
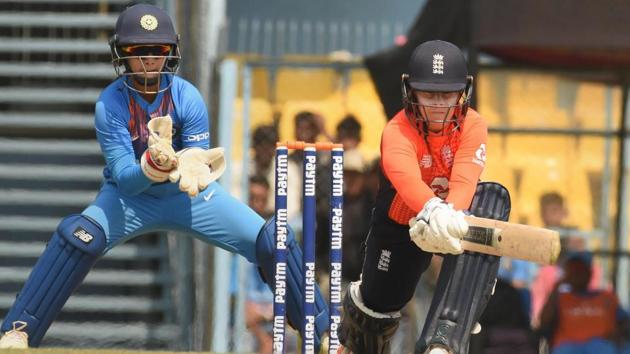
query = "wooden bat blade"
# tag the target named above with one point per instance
(512, 240)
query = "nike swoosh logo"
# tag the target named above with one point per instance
(208, 196)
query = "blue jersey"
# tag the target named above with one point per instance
(130, 204)
(121, 129)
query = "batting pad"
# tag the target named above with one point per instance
(265, 245)
(71, 252)
(465, 283)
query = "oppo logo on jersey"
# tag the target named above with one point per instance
(196, 137)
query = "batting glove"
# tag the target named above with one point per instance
(438, 228)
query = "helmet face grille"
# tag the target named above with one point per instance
(418, 113)
(166, 73)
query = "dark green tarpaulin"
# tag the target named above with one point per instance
(563, 34)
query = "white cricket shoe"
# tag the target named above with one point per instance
(15, 338)
(438, 350)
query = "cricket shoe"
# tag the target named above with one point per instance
(323, 347)
(342, 350)
(438, 350)
(15, 338)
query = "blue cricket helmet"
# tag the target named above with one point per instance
(144, 24)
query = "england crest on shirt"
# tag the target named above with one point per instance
(426, 161)
(447, 156)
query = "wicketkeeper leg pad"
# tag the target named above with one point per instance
(363, 330)
(71, 252)
(265, 245)
(465, 283)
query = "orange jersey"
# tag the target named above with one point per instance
(584, 317)
(412, 172)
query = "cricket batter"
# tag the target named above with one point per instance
(153, 130)
(432, 155)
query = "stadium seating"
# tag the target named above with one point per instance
(591, 152)
(590, 106)
(304, 84)
(492, 97)
(260, 112)
(556, 176)
(497, 171)
(529, 150)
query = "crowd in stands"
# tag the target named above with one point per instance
(360, 183)
(565, 308)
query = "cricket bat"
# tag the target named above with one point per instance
(512, 240)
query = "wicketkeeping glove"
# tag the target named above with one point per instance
(197, 168)
(438, 228)
(160, 158)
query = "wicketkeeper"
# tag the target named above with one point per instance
(432, 155)
(153, 130)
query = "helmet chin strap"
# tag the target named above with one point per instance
(146, 82)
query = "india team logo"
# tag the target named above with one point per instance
(149, 22)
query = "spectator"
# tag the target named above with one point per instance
(577, 319)
(259, 192)
(349, 132)
(553, 214)
(357, 209)
(552, 210)
(356, 213)
(349, 135)
(264, 142)
(308, 127)
(259, 301)
(372, 176)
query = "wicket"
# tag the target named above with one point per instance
(308, 242)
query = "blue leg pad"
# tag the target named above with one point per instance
(265, 245)
(71, 252)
